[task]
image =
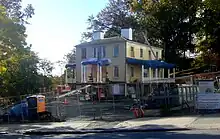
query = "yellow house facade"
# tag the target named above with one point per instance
(120, 51)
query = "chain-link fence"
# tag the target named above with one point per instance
(111, 101)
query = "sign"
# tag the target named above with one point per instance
(208, 101)
(206, 86)
(116, 89)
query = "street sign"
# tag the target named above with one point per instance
(206, 86)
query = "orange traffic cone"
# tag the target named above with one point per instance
(65, 101)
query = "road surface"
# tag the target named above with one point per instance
(192, 134)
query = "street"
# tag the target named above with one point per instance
(192, 134)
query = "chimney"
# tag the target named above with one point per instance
(98, 35)
(126, 33)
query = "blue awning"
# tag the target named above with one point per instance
(95, 61)
(150, 63)
(70, 65)
(90, 61)
(105, 62)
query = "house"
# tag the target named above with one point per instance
(123, 60)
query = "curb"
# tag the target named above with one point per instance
(103, 131)
(2, 133)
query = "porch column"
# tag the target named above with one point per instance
(168, 73)
(97, 73)
(150, 75)
(100, 73)
(85, 73)
(162, 72)
(142, 73)
(156, 70)
(82, 73)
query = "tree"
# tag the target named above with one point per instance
(209, 33)
(112, 18)
(19, 64)
(171, 24)
(46, 67)
(71, 56)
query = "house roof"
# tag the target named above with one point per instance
(112, 39)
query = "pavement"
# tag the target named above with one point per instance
(190, 134)
(197, 122)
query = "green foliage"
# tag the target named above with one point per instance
(21, 65)
(71, 56)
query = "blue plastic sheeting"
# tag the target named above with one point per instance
(19, 109)
(70, 65)
(95, 61)
(150, 63)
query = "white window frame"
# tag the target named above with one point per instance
(114, 71)
(95, 52)
(116, 46)
(103, 48)
(141, 52)
(132, 52)
(83, 53)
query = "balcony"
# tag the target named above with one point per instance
(158, 80)
(150, 71)
(157, 75)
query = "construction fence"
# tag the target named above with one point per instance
(113, 101)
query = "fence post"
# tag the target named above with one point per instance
(194, 97)
(77, 94)
(22, 114)
(113, 97)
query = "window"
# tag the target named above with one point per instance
(73, 72)
(157, 55)
(116, 71)
(83, 53)
(149, 53)
(95, 52)
(132, 51)
(116, 51)
(132, 71)
(103, 51)
(99, 52)
(141, 52)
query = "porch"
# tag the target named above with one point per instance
(95, 70)
(149, 71)
(70, 73)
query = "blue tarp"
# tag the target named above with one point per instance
(70, 65)
(150, 63)
(19, 109)
(95, 61)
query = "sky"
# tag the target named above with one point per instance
(57, 26)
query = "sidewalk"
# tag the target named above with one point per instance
(207, 122)
(211, 121)
(171, 122)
